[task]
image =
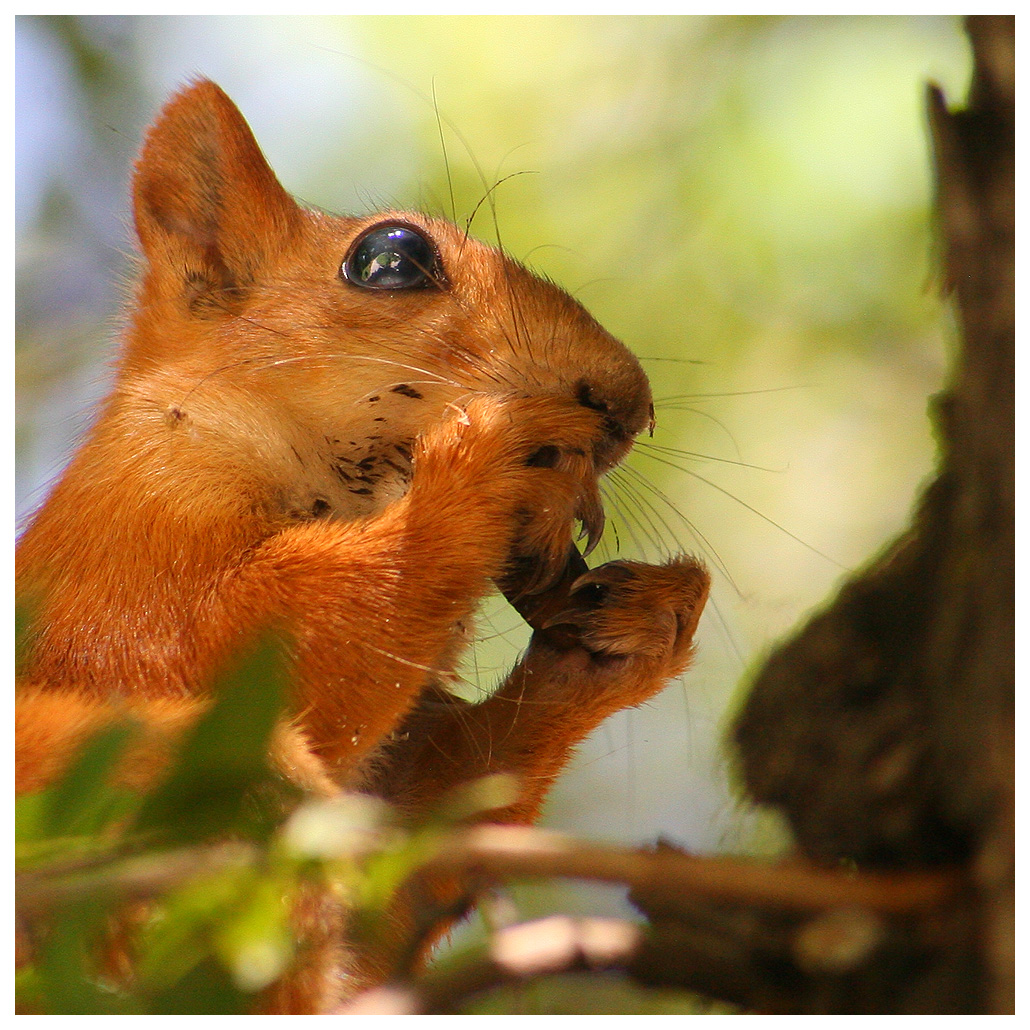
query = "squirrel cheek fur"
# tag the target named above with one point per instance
(357, 467)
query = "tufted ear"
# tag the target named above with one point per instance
(209, 211)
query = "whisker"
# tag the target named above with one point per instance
(650, 514)
(404, 661)
(700, 538)
(731, 393)
(711, 418)
(488, 199)
(324, 360)
(709, 551)
(443, 151)
(628, 523)
(645, 445)
(679, 361)
(750, 508)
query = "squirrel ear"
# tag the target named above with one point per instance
(209, 211)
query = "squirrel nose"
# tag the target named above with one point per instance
(620, 423)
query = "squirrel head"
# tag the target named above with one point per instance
(339, 339)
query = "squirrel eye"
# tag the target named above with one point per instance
(391, 257)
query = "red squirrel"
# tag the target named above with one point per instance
(349, 428)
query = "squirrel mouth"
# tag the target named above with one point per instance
(541, 571)
(539, 606)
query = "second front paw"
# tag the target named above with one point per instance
(625, 609)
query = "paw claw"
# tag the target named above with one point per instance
(591, 514)
(566, 617)
(610, 574)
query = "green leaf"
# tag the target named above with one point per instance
(83, 801)
(256, 942)
(179, 936)
(224, 758)
(240, 916)
(66, 980)
(206, 990)
(29, 816)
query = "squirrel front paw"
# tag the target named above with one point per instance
(628, 608)
(520, 469)
(624, 628)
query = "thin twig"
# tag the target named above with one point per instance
(132, 879)
(513, 851)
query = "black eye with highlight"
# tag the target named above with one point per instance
(392, 257)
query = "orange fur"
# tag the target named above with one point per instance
(285, 448)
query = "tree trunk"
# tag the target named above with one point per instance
(885, 730)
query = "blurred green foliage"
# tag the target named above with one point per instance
(86, 844)
(221, 848)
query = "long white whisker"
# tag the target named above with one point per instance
(644, 445)
(705, 544)
(750, 508)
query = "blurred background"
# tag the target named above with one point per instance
(744, 201)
